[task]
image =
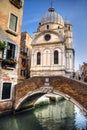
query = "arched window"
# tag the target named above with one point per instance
(38, 58)
(69, 28)
(47, 26)
(56, 57)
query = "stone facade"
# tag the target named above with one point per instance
(52, 52)
(11, 12)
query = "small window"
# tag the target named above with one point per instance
(23, 73)
(10, 51)
(39, 24)
(47, 37)
(26, 49)
(47, 26)
(55, 57)
(69, 28)
(6, 91)
(38, 58)
(23, 62)
(13, 22)
(58, 27)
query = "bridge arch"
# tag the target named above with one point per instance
(69, 89)
(32, 97)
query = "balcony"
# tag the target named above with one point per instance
(16, 3)
(9, 63)
(23, 53)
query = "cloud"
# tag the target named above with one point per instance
(34, 20)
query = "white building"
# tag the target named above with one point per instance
(52, 52)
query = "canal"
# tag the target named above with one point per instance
(61, 115)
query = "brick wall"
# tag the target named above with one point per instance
(8, 75)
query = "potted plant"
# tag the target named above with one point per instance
(10, 62)
(2, 45)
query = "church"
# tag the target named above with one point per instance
(52, 52)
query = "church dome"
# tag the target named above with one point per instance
(52, 17)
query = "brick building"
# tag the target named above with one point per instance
(83, 70)
(11, 12)
(25, 56)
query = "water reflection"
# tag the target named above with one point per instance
(23, 121)
(56, 116)
(80, 119)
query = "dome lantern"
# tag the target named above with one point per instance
(51, 9)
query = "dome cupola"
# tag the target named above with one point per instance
(51, 17)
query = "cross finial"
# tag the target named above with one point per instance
(51, 3)
(51, 9)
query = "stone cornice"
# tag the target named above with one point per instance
(16, 3)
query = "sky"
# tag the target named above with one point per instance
(74, 11)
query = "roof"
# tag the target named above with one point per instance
(52, 17)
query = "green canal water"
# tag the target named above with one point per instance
(55, 116)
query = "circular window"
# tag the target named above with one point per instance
(47, 37)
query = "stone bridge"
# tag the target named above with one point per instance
(27, 92)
